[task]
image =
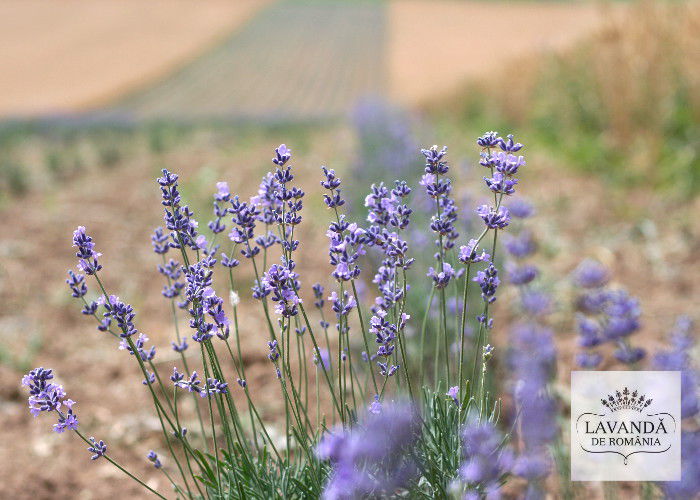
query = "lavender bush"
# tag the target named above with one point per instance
(369, 409)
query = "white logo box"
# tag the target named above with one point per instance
(625, 426)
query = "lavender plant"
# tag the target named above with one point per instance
(382, 425)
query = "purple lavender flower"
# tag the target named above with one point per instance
(139, 343)
(67, 420)
(87, 257)
(628, 354)
(468, 253)
(193, 384)
(489, 140)
(485, 460)
(97, 448)
(274, 353)
(689, 485)
(345, 248)
(76, 282)
(520, 208)
(588, 360)
(488, 281)
(535, 302)
(160, 241)
(621, 315)
(500, 183)
(521, 274)
(176, 376)
(45, 396)
(215, 386)
(179, 220)
(533, 360)
(324, 360)
(122, 314)
(375, 406)
(494, 219)
(153, 458)
(678, 358)
(332, 184)
(453, 393)
(509, 145)
(318, 295)
(521, 245)
(374, 457)
(442, 278)
(281, 281)
(590, 274)
(180, 347)
(229, 262)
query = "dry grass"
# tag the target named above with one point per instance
(64, 56)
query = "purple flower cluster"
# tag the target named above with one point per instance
(521, 245)
(388, 215)
(203, 303)
(222, 194)
(178, 219)
(243, 217)
(194, 384)
(97, 448)
(153, 458)
(45, 396)
(345, 248)
(76, 282)
(281, 282)
(139, 343)
(87, 257)
(488, 282)
(120, 313)
(469, 254)
(266, 200)
(386, 142)
(678, 358)
(533, 361)
(443, 222)
(486, 461)
(374, 457)
(689, 485)
(605, 315)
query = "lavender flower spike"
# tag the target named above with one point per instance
(87, 257)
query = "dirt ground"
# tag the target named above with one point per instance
(65, 56)
(434, 46)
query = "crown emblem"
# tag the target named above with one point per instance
(626, 400)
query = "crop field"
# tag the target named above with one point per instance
(274, 68)
(69, 56)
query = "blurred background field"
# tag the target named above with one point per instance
(97, 97)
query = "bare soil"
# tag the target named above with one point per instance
(434, 46)
(65, 56)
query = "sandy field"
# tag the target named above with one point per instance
(434, 46)
(65, 56)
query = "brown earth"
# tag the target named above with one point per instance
(434, 46)
(68, 55)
